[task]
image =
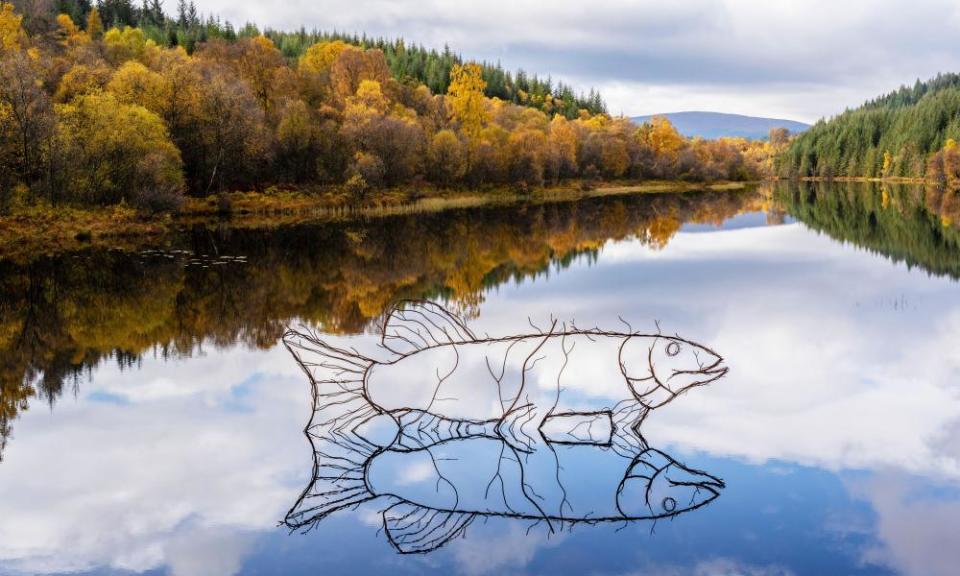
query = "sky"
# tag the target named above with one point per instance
(795, 59)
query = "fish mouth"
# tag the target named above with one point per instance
(687, 477)
(704, 376)
(715, 371)
(701, 488)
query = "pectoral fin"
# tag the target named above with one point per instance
(414, 529)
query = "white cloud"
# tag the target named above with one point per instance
(499, 546)
(139, 485)
(916, 532)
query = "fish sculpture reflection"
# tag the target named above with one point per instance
(431, 495)
(438, 380)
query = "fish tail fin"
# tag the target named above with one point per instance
(338, 483)
(340, 404)
(626, 438)
(340, 407)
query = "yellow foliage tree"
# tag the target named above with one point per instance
(662, 136)
(258, 65)
(82, 79)
(351, 67)
(370, 95)
(563, 138)
(445, 157)
(466, 98)
(94, 24)
(126, 44)
(182, 91)
(319, 57)
(115, 151)
(614, 157)
(887, 162)
(68, 34)
(134, 83)
(11, 33)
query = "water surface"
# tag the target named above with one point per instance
(152, 423)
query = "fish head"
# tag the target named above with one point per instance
(658, 368)
(657, 486)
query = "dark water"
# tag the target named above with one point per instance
(152, 423)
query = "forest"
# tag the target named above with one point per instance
(908, 133)
(115, 104)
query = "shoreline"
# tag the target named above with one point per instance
(864, 179)
(36, 230)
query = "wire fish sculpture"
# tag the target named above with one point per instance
(543, 426)
(440, 381)
(461, 480)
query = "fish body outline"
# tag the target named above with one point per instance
(442, 381)
(354, 429)
(466, 479)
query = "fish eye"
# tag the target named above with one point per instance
(673, 349)
(669, 504)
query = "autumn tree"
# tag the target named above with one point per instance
(943, 168)
(82, 78)
(564, 142)
(11, 32)
(298, 139)
(466, 98)
(259, 62)
(527, 153)
(351, 67)
(126, 44)
(94, 24)
(887, 167)
(68, 34)
(319, 58)
(114, 152)
(234, 146)
(134, 83)
(446, 158)
(313, 69)
(665, 143)
(25, 114)
(778, 137)
(182, 84)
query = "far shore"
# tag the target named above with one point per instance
(35, 230)
(886, 180)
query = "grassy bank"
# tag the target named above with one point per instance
(29, 231)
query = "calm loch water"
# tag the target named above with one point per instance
(153, 423)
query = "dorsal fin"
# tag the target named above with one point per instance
(415, 325)
(414, 529)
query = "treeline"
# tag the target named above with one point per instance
(909, 133)
(414, 63)
(97, 117)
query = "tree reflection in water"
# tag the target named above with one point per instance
(62, 315)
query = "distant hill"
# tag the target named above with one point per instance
(718, 124)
